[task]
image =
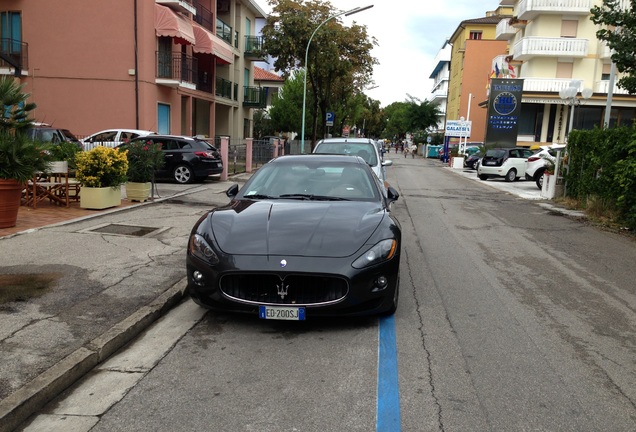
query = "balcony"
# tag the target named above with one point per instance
(14, 54)
(223, 88)
(545, 85)
(504, 30)
(603, 87)
(255, 97)
(204, 17)
(605, 53)
(530, 47)
(224, 31)
(254, 48)
(183, 6)
(176, 70)
(529, 9)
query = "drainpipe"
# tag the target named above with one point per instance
(136, 71)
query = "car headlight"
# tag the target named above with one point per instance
(202, 250)
(382, 251)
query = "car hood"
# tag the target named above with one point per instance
(292, 228)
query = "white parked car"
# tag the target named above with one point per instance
(509, 163)
(366, 148)
(113, 137)
(536, 164)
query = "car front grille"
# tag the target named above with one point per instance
(292, 290)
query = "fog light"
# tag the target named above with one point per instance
(381, 282)
(197, 277)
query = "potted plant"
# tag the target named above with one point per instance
(144, 157)
(101, 172)
(20, 157)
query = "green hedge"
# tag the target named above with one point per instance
(602, 163)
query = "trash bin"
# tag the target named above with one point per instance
(432, 150)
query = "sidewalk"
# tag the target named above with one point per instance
(84, 283)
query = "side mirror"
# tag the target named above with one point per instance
(392, 195)
(232, 191)
(387, 163)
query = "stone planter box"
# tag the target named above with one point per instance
(100, 198)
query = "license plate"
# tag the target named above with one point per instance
(489, 163)
(281, 313)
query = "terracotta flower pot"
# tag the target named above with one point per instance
(10, 193)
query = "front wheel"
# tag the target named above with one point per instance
(483, 177)
(183, 174)
(511, 175)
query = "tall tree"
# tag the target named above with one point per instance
(286, 110)
(620, 35)
(338, 57)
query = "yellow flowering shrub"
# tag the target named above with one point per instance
(101, 167)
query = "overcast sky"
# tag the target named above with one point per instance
(409, 33)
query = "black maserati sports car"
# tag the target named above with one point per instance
(307, 235)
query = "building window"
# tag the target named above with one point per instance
(569, 28)
(564, 70)
(475, 35)
(605, 75)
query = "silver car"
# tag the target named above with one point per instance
(366, 148)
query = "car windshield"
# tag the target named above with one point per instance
(306, 180)
(69, 136)
(365, 150)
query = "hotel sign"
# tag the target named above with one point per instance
(504, 108)
(458, 128)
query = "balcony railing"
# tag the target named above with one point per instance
(204, 17)
(254, 47)
(255, 97)
(14, 53)
(175, 69)
(529, 9)
(223, 88)
(504, 30)
(529, 47)
(603, 87)
(223, 31)
(543, 85)
(183, 6)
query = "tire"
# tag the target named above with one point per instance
(483, 177)
(539, 176)
(511, 175)
(183, 174)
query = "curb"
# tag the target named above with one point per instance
(20, 405)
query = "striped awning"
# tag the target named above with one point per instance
(171, 24)
(207, 43)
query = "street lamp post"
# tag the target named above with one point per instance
(346, 13)
(568, 95)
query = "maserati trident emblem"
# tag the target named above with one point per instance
(283, 263)
(282, 290)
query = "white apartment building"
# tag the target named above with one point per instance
(441, 77)
(552, 46)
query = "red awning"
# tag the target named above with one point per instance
(171, 24)
(207, 43)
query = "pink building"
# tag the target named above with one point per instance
(174, 66)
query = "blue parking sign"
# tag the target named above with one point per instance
(330, 118)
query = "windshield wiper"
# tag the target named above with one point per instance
(259, 196)
(313, 197)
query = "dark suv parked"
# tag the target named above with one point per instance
(53, 135)
(186, 159)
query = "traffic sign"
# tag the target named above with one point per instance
(330, 118)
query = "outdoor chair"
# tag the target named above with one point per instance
(53, 185)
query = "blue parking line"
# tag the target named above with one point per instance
(388, 413)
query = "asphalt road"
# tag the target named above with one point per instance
(510, 318)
